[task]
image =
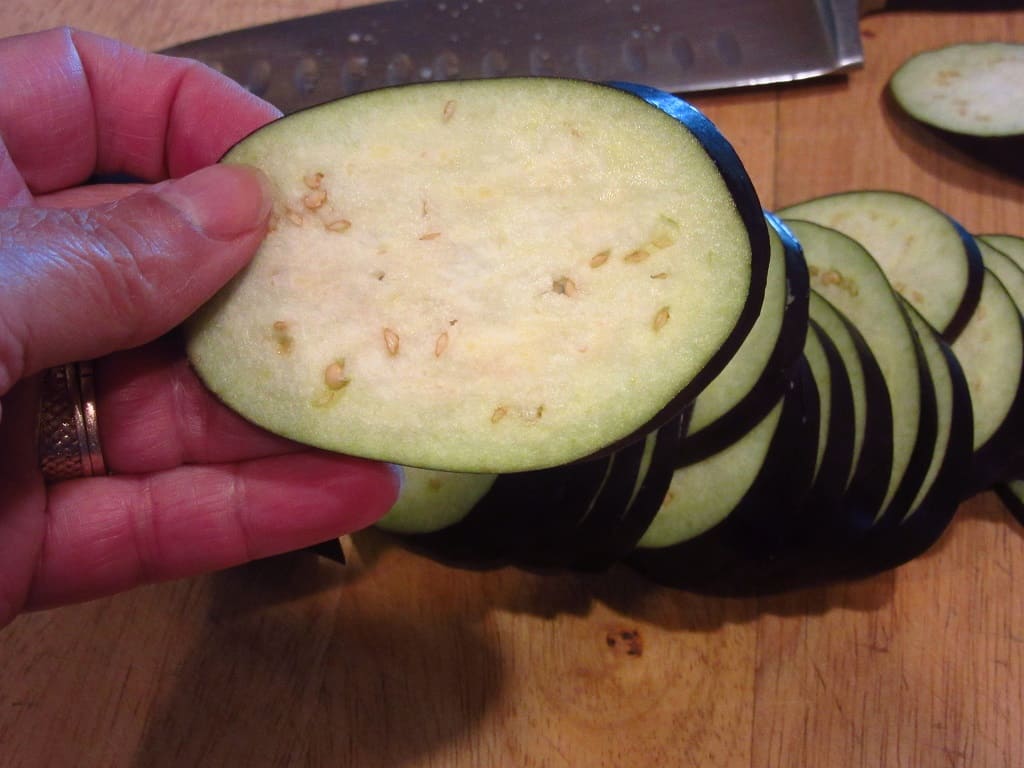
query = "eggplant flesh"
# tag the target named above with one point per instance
(466, 276)
(925, 254)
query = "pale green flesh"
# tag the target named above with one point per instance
(915, 244)
(971, 88)
(814, 353)
(1011, 245)
(431, 500)
(745, 368)
(1010, 274)
(645, 466)
(461, 289)
(702, 495)
(844, 273)
(826, 316)
(990, 351)
(942, 382)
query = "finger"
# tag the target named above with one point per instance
(109, 534)
(88, 196)
(13, 190)
(155, 414)
(22, 498)
(82, 283)
(75, 104)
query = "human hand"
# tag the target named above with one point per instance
(104, 272)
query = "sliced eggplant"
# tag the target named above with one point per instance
(1009, 272)
(976, 89)
(970, 95)
(927, 256)
(832, 524)
(750, 385)
(488, 276)
(991, 352)
(520, 512)
(610, 533)
(836, 429)
(1011, 245)
(935, 503)
(845, 273)
(432, 500)
(725, 521)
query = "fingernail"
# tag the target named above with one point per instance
(399, 472)
(224, 201)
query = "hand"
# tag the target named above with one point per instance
(100, 272)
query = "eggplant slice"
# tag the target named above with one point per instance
(750, 385)
(846, 274)
(927, 256)
(487, 276)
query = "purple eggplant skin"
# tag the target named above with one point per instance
(1003, 155)
(829, 488)
(548, 537)
(859, 554)
(778, 371)
(748, 206)
(744, 555)
(911, 537)
(610, 533)
(975, 279)
(523, 507)
(999, 457)
(924, 444)
(837, 527)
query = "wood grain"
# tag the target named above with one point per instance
(398, 661)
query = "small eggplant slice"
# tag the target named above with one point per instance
(927, 256)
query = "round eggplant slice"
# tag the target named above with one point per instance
(1011, 275)
(550, 533)
(610, 533)
(830, 525)
(928, 257)
(522, 512)
(936, 502)
(1011, 245)
(432, 500)
(991, 352)
(836, 424)
(976, 89)
(750, 385)
(1009, 272)
(489, 276)
(845, 273)
(970, 95)
(726, 520)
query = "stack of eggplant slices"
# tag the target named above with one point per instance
(562, 308)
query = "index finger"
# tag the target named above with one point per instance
(75, 104)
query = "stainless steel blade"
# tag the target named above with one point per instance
(681, 46)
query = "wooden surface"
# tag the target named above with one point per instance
(397, 661)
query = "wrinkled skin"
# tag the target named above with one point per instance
(107, 272)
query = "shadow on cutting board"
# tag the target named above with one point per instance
(293, 668)
(993, 167)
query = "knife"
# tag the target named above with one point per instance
(681, 46)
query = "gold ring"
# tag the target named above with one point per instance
(68, 437)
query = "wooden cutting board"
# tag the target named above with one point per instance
(397, 661)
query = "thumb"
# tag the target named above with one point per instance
(80, 283)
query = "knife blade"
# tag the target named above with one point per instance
(682, 46)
